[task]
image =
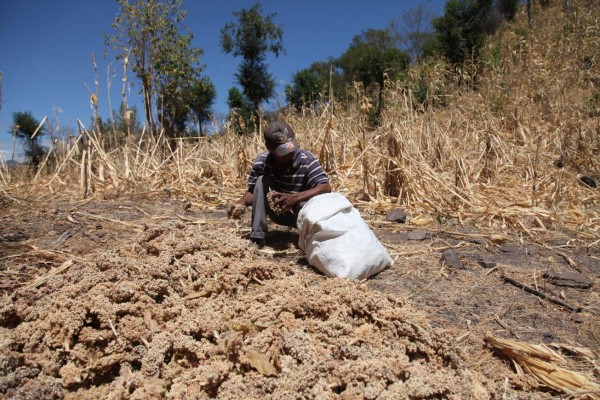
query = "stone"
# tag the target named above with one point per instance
(509, 248)
(451, 259)
(486, 262)
(559, 163)
(419, 234)
(588, 181)
(396, 215)
(569, 279)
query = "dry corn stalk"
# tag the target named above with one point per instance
(540, 361)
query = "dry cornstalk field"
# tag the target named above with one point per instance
(123, 278)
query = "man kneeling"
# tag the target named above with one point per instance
(292, 175)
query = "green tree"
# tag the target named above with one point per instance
(201, 97)
(305, 90)
(126, 117)
(252, 37)
(323, 81)
(508, 8)
(371, 58)
(150, 35)
(332, 77)
(24, 127)
(173, 111)
(104, 125)
(240, 110)
(461, 32)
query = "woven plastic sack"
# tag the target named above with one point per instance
(337, 241)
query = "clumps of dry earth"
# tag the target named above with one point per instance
(188, 311)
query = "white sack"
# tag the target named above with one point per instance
(337, 241)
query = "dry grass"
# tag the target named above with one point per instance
(488, 157)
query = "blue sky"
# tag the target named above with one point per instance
(46, 49)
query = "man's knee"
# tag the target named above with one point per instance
(259, 181)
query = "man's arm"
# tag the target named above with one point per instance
(287, 201)
(237, 209)
(246, 199)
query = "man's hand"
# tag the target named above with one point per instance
(285, 201)
(236, 211)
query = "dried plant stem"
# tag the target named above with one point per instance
(43, 164)
(536, 161)
(67, 158)
(14, 142)
(39, 127)
(541, 295)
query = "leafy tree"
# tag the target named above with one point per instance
(371, 58)
(125, 117)
(333, 78)
(151, 34)
(240, 110)
(251, 38)
(305, 90)
(24, 127)
(201, 97)
(323, 81)
(236, 100)
(412, 30)
(508, 8)
(173, 110)
(461, 31)
(104, 126)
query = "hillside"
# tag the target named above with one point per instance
(123, 278)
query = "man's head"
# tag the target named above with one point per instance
(280, 139)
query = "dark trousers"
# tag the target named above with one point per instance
(261, 209)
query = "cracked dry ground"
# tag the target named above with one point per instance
(137, 298)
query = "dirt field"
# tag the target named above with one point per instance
(157, 297)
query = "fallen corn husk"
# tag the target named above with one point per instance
(589, 354)
(540, 361)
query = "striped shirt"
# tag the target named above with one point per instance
(303, 173)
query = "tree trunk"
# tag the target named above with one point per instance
(148, 106)
(380, 99)
(14, 142)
